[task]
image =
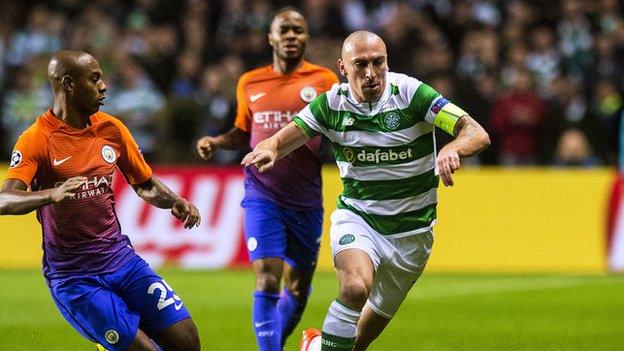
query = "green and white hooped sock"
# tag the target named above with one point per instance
(339, 328)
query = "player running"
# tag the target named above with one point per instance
(381, 125)
(283, 210)
(67, 158)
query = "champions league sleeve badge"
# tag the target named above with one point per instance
(16, 159)
(307, 94)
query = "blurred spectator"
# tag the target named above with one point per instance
(41, 35)
(85, 38)
(609, 15)
(367, 14)
(232, 67)
(486, 12)
(164, 60)
(607, 106)
(160, 60)
(573, 150)
(517, 121)
(543, 60)
(134, 99)
(217, 113)
(23, 101)
(184, 83)
(576, 39)
(479, 52)
(516, 58)
(324, 16)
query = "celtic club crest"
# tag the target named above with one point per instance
(391, 120)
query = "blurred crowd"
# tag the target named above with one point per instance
(545, 78)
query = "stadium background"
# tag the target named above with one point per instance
(523, 237)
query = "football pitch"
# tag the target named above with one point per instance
(442, 312)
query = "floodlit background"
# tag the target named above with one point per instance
(528, 242)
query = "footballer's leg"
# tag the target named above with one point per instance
(142, 342)
(406, 260)
(163, 316)
(355, 276)
(265, 315)
(304, 229)
(181, 336)
(266, 244)
(369, 328)
(98, 313)
(356, 258)
(293, 298)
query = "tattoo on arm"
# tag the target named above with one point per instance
(470, 137)
(459, 125)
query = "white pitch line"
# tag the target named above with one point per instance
(503, 285)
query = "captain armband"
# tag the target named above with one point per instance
(448, 116)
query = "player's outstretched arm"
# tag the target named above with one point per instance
(470, 139)
(234, 139)
(272, 149)
(15, 200)
(158, 194)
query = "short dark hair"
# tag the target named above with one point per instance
(282, 10)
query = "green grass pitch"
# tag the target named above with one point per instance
(442, 312)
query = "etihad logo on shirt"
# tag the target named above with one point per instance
(273, 119)
(94, 186)
(377, 156)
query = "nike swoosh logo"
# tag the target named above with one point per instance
(59, 162)
(255, 97)
(259, 324)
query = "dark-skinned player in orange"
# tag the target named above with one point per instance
(62, 167)
(283, 209)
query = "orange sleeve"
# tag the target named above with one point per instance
(131, 162)
(28, 155)
(243, 119)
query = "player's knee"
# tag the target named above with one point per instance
(267, 282)
(354, 293)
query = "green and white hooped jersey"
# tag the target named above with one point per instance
(385, 150)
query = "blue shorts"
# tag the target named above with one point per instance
(109, 308)
(274, 231)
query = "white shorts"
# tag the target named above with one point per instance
(399, 260)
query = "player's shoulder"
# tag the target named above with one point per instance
(103, 117)
(400, 79)
(39, 130)
(34, 139)
(110, 125)
(403, 85)
(256, 74)
(311, 68)
(339, 90)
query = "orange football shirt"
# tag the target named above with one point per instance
(82, 233)
(268, 101)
